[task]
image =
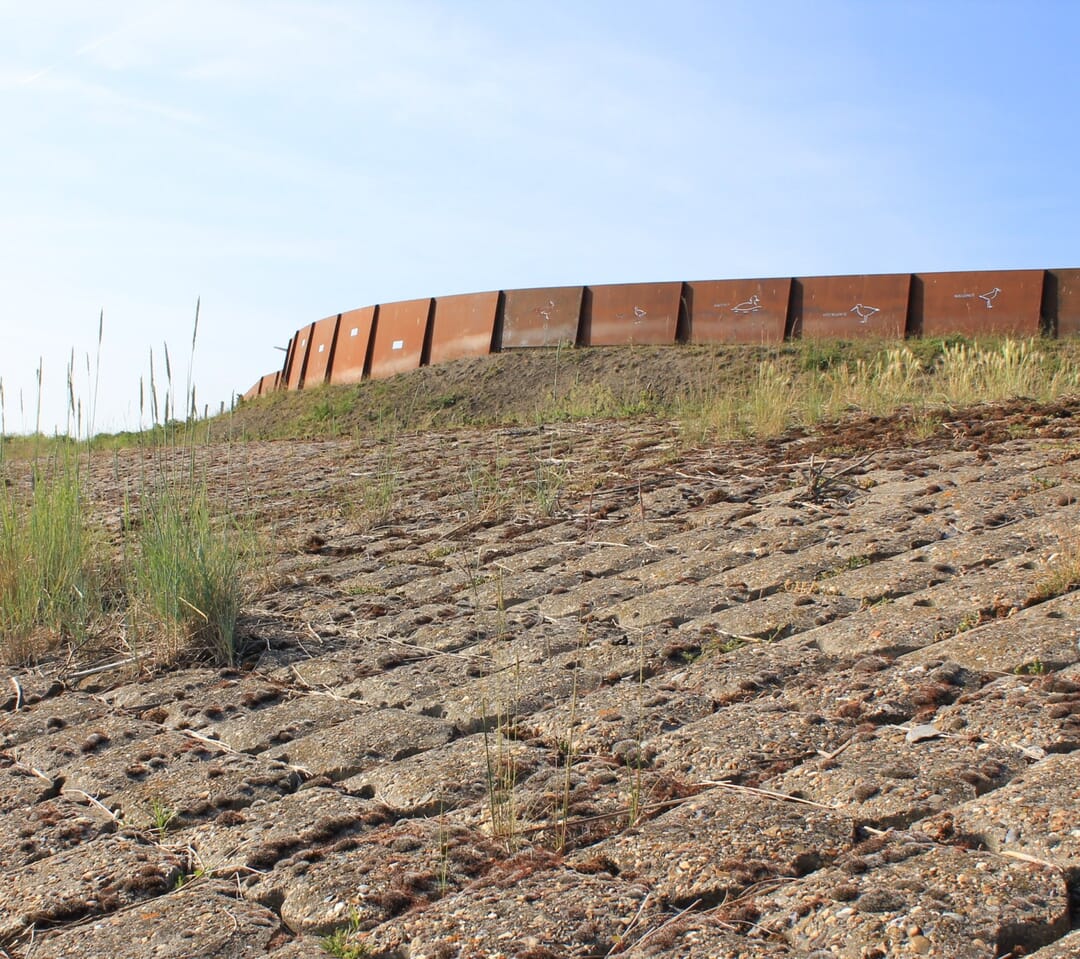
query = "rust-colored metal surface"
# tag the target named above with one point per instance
(1062, 296)
(737, 311)
(463, 326)
(979, 304)
(625, 313)
(321, 351)
(298, 361)
(290, 351)
(545, 316)
(267, 384)
(852, 307)
(351, 348)
(400, 331)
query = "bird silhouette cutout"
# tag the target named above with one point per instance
(864, 312)
(748, 306)
(990, 297)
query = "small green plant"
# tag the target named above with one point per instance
(487, 490)
(188, 877)
(373, 499)
(969, 622)
(330, 409)
(1045, 482)
(1035, 667)
(547, 485)
(848, 565)
(161, 817)
(820, 355)
(440, 551)
(344, 942)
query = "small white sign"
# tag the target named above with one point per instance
(303, 342)
(398, 345)
(322, 346)
(355, 331)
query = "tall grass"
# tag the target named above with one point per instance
(824, 386)
(187, 573)
(182, 570)
(967, 373)
(48, 560)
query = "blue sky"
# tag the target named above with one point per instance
(287, 160)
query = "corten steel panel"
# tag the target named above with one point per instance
(463, 326)
(852, 307)
(738, 311)
(1065, 287)
(287, 365)
(981, 303)
(301, 346)
(321, 351)
(266, 384)
(541, 317)
(350, 353)
(631, 313)
(399, 337)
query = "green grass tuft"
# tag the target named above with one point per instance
(187, 574)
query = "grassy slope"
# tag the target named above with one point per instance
(531, 386)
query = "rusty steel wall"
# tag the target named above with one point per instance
(736, 311)
(1061, 301)
(379, 341)
(544, 316)
(980, 303)
(628, 313)
(463, 326)
(351, 348)
(299, 357)
(265, 384)
(401, 331)
(290, 352)
(321, 351)
(850, 307)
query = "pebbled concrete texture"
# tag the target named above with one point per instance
(683, 708)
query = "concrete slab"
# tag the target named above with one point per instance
(903, 895)
(720, 843)
(885, 780)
